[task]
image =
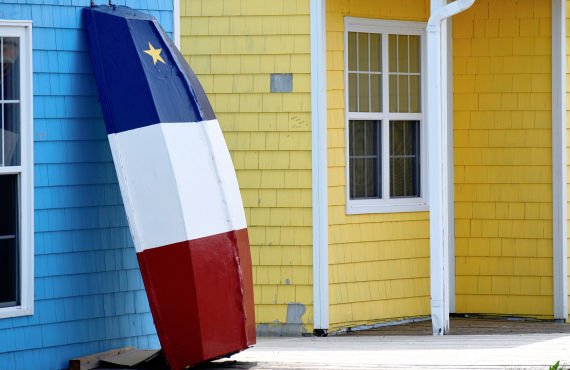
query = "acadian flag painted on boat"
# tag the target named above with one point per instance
(178, 185)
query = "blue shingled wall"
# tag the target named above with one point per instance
(89, 295)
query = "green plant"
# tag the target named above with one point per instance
(556, 366)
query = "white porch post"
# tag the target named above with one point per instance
(439, 161)
(559, 209)
(438, 207)
(319, 165)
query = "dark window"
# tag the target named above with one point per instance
(9, 258)
(404, 159)
(9, 183)
(365, 162)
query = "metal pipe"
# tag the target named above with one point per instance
(438, 165)
(447, 11)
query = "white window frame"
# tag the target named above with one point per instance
(386, 204)
(23, 30)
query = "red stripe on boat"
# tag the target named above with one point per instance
(201, 305)
(247, 278)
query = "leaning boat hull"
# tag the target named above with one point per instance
(179, 188)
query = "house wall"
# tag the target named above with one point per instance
(378, 263)
(502, 163)
(89, 295)
(234, 46)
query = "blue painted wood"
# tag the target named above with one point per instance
(135, 89)
(89, 295)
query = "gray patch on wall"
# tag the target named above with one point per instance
(293, 327)
(281, 82)
(269, 330)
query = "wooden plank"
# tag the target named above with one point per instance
(92, 361)
(131, 358)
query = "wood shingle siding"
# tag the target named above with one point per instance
(503, 158)
(234, 46)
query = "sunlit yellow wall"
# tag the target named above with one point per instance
(502, 143)
(379, 264)
(234, 46)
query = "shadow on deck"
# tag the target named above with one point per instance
(470, 326)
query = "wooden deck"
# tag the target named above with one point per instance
(474, 344)
(472, 326)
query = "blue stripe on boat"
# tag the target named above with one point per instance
(136, 87)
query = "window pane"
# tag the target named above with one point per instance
(357, 139)
(363, 51)
(370, 139)
(8, 273)
(415, 94)
(393, 93)
(8, 240)
(375, 52)
(352, 51)
(375, 93)
(408, 178)
(352, 93)
(405, 80)
(8, 204)
(359, 178)
(364, 159)
(363, 91)
(11, 68)
(404, 159)
(402, 53)
(397, 186)
(415, 54)
(371, 173)
(397, 139)
(392, 53)
(11, 134)
(403, 94)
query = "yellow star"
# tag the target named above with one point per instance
(154, 53)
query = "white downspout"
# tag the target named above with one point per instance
(438, 165)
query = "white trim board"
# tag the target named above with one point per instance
(448, 24)
(176, 23)
(559, 196)
(319, 165)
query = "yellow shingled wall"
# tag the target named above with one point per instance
(379, 263)
(233, 46)
(502, 143)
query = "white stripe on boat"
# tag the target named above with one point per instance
(178, 182)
